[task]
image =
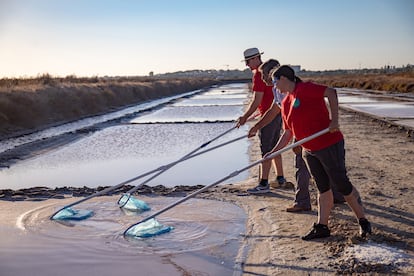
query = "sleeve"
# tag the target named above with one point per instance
(258, 84)
(316, 90)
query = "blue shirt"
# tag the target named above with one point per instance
(277, 96)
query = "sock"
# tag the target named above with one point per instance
(263, 182)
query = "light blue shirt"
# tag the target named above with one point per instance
(277, 96)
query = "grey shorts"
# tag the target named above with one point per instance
(327, 166)
(270, 134)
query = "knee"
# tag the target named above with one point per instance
(323, 189)
(345, 189)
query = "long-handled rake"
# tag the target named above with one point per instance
(144, 226)
(66, 212)
(127, 201)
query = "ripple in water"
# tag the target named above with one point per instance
(198, 225)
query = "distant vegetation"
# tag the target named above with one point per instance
(389, 80)
(27, 104)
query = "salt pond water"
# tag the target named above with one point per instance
(203, 242)
(151, 139)
(400, 110)
(207, 234)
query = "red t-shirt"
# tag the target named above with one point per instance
(304, 112)
(260, 86)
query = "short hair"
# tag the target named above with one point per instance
(266, 67)
(286, 71)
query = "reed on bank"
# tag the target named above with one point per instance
(392, 83)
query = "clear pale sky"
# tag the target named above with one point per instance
(122, 37)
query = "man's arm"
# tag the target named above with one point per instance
(270, 114)
(286, 137)
(258, 96)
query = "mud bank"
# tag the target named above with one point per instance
(44, 193)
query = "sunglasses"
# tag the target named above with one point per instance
(248, 60)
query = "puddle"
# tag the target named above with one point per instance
(203, 240)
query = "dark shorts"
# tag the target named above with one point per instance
(327, 166)
(270, 134)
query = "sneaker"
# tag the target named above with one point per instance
(317, 231)
(259, 189)
(280, 180)
(364, 227)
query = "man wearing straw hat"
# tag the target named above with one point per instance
(269, 135)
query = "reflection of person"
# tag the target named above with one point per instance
(269, 135)
(304, 112)
(302, 196)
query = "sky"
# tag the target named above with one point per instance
(133, 38)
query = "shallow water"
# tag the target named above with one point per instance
(379, 106)
(204, 241)
(389, 109)
(152, 139)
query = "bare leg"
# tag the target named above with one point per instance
(277, 162)
(354, 201)
(325, 204)
(266, 165)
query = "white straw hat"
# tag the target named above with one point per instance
(251, 53)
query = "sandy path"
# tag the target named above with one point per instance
(380, 161)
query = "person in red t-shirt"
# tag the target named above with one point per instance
(302, 200)
(304, 112)
(269, 135)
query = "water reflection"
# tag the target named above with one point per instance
(203, 241)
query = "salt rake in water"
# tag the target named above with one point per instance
(71, 214)
(143, 227)
(149, 228)
(127, 201)
(67, 213)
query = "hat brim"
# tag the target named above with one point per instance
(256, 55)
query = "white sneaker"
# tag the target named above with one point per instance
(259, 189)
